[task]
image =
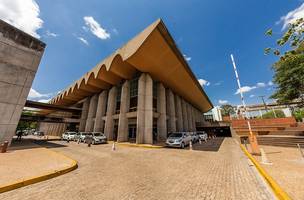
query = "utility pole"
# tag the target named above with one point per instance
(252, 137)
(265, 105)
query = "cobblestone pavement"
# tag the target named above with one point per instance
(287, 169)
(140, 173)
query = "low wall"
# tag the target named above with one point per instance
(288, 121)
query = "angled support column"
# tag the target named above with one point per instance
(84, 114)
(189, 117)
(161, 109)
(193, 118)
(171, 111)
(101, 111)
(185, 115)
(179, 114)
(124, 108)
(145, 110)
(111, 105)
(91, 113)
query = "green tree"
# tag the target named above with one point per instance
(289, 69)
(227, 109)
(270, 114)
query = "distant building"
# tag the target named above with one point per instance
(141, 92)
(20, 56)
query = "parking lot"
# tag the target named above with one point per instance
(141, 173)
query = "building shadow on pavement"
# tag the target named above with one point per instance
(30, 143)
(211, 145)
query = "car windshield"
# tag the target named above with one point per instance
(72, 133)
(176, 135)
(98, 134)
(90, 134)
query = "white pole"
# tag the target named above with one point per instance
(241, 93)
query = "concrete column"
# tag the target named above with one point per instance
(109, 124)
(145, 110)
(179, 114)
(193, 118)
(171, 111)
(101, 111)
(91, 113)
(185, 115)
(84, 114)
(189, 117)
(161, 109)
(124, 108)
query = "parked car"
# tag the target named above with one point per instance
(39, 133)
(194, 137)
(178, 139)
(203, 135)
(68, 135)
(82, 136)
(98, 138)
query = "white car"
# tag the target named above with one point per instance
(194, 137)
(68, 135)
(178, 139)
(203, 136)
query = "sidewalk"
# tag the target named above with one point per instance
(26, 160)
(287, 169)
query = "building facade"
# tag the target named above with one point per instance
(20, 56)
(140, 93)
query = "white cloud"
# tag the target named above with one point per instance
(187, 57)
(292, 16)
(270, 83)
(33, 94)
(83, 40)
(203, 82)
(115, 31)
(95, 28)
(24, 14)
(252, 95)
(44, 100)
(218, 83)
(223, 101)
(50, 34)
(245, 89)
(261, 84)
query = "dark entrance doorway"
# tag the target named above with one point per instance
(132, 132)
(219, 131)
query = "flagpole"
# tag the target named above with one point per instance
(252, 137)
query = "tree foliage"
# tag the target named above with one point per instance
(227, 109)
(289, 69)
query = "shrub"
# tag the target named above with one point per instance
(270, 114)
(299, 114)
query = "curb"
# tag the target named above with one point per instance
(278, 191)
(137, 145)
(43, 177)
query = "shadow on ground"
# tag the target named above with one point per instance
(30, 143)
(210, 145)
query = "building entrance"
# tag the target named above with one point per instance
(132, 132)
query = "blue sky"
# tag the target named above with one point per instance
(206, 31)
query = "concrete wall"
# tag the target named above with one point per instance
(20, 56)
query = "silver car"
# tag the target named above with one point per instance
(178, 139)
(98, 138)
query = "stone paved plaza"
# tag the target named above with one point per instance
(140, 173)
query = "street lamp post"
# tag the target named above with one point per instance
(252, 137)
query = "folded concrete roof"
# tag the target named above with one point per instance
(153, 51)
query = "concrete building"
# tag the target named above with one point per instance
(20, 56)
(141, 92)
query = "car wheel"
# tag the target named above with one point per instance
(183, 145)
